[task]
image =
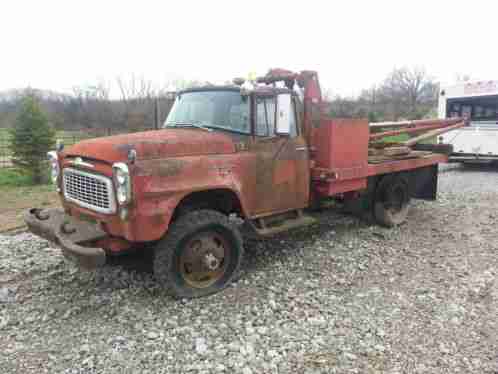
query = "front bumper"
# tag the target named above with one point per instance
(70, 234)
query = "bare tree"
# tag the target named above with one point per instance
(410, 92)
(404, 93)
(91, 106)
(137, 106)
(137, 98)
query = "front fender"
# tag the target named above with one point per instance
(160, 185)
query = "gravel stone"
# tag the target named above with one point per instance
(152, 335)
(200, 346)
(7, 295)
(342, 296)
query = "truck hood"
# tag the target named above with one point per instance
(154, 144)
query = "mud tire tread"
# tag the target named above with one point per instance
(166, 251)
(382, 216)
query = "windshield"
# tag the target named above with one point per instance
(226, 110)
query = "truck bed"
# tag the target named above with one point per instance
(343, 163)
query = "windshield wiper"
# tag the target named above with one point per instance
(188, 124)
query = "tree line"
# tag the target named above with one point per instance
(405, 94)
(136, 104)
(131, 104)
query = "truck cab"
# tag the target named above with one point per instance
(271, 160)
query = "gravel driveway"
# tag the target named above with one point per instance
(339, 297)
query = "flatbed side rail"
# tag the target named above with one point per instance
(330, 182)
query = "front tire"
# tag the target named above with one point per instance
(199, 256)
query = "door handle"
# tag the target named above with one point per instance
(301, 148)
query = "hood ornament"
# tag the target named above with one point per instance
(78, 161)
(132, 156)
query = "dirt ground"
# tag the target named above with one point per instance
(14, 200)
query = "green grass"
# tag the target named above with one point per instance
(13, 178)
(24, 192)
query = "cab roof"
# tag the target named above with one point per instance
(258, 89)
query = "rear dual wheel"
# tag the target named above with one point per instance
(392, 201)
(200, 254)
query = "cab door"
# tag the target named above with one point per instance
(281, 158)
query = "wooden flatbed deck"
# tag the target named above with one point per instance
(418, 159)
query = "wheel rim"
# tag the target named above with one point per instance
(204, 259)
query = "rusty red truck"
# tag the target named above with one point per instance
(260, 152)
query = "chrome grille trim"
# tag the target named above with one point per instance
(88, 190)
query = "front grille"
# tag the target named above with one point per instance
(88, 190)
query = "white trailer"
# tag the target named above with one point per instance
(477, 142)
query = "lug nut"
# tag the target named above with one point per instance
(210, 261)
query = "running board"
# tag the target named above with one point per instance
(268, 226)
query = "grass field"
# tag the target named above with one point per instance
(11, 178)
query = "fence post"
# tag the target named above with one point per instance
(157, 113)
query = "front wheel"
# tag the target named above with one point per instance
(200, 254)
(392, 201)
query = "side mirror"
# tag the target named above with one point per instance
(283, 114)
(246, 88)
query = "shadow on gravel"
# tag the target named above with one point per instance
(138, 260)
(259, 253)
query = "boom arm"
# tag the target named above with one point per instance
(312, 101)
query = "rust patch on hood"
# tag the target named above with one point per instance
(160, 168)
(170, 167)
(155, 144)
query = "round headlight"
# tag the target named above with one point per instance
(122, 182)
(122, 195)
(121, 176)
